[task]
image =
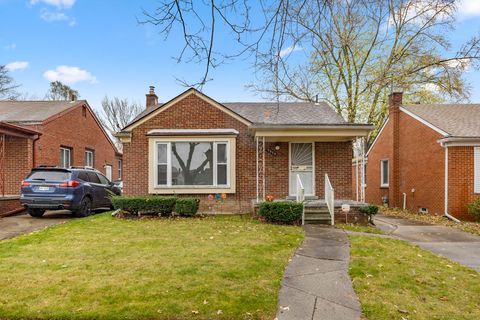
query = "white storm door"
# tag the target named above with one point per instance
(302, 164)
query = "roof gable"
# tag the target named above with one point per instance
(152, 112)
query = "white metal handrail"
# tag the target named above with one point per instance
(300, 195)
(330, 198)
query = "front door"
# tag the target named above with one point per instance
(302, 164)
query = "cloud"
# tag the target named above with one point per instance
(17, 65)
(55, 3)
(288, 50)
(50, 16)
(468, 8)
(69, 75)
(11, 46)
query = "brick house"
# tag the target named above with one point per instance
(57, 133)
(194, 145)
(428, 156)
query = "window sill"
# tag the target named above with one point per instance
(190, 190)
(384, 186)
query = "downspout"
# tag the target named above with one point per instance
(34, 152)
(449, 216)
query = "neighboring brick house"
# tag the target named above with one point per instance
(56, 133)
(427, 155)
(194, 145)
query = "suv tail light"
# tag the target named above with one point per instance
(68, 184)
(25, 184)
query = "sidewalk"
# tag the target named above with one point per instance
(456, 245)
(316, 284)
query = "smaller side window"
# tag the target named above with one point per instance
(83, 176)
(103, 180)
(92, 176)
(384, 173)
(89, 158)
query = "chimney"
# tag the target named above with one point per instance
(394, 103)
(152, 99)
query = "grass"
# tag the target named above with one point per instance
(359, 228)
(396, 280)
(105, 268)
(472, 227)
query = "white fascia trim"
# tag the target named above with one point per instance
(376, 138)
(428, 124)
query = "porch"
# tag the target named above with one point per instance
(309, 164)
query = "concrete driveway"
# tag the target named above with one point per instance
(16, 225)
(456, 245)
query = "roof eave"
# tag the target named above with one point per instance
(453, 141)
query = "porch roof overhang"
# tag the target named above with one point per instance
(327, 132)
(12, 130)
(191, 132)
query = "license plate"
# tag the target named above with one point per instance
(42, 188)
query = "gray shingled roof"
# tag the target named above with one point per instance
(283, 113)
(458, 120)
(286, 112)
(32, 111)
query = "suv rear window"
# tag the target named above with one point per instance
(92, 177)
(49, 175)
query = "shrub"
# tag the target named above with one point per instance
(145, 204)
(474, 208)
(370, 211)
(281, 211)
(187, 207)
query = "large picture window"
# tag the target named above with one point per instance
(192, 164)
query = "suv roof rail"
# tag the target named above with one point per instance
(84, 168)
(47, 166)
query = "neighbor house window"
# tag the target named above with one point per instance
(89, 158)
(65, 157)
(119, 162)
(192, 164)
(384, 173)
(476, 170)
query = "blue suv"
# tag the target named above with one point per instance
(80, 190)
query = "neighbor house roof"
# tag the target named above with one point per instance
(33, 111)
(456, 120)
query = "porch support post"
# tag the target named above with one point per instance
(263, 169)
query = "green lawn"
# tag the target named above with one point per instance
(397, 280)
(101, 267)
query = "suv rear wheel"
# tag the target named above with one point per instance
(85, 208)
(37, 213)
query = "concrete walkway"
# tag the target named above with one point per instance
(316, 284)
(456, 245)
(16, 225)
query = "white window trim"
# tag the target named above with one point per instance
(154, 188)
(382, 173)
(476, 170)
(86, 158)
(64, 151)
(120, 169)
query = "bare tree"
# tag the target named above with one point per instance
(61, 91)
(117, 113)
(7, 84)
(351, 53)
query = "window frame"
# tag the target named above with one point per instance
(169, 188)
(63, 150)
(92, 152)
(120, 169)
(382, 173)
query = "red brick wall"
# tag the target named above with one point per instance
(382, 150)
(9, 204)
(460, 181)
(194, 113)
(79, 133)
(334, 159)
(18, 162)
